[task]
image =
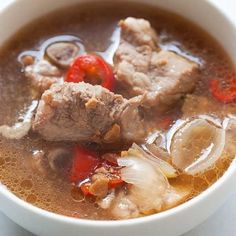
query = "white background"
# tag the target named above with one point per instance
(222, 223)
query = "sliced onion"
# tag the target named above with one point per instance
(230, 137)
(150, 190)
(216, 121)
(197, 145)
(174, 128)
(149, 184)
(157, 152)
(139, 171)
(20, 129)
(175, 196)
(155, 145)
(157, 138)
(168, 170)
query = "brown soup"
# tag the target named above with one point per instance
(94, 26)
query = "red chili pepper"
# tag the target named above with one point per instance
(115, 183)
(166, 122)
(84, 163)
(225, 95)
(91, 69)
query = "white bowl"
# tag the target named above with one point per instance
(169, 223)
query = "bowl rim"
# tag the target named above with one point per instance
(229, 173)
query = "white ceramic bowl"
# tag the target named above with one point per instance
(169, 223)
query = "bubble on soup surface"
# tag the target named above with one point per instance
(26, 184)
(200, 184)
(76, 194)
(7, 159)
(48, 200)
(31, 198)
(2, 161)
(211, 175)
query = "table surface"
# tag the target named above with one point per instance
(221, 223)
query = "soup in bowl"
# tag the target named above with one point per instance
(116, 118)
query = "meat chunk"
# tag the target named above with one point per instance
(141, 68)
(99, 185)
(42, 74)
(124, 208)
(133, 56)
(134, 121)
(86, 113)
(49, 69)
